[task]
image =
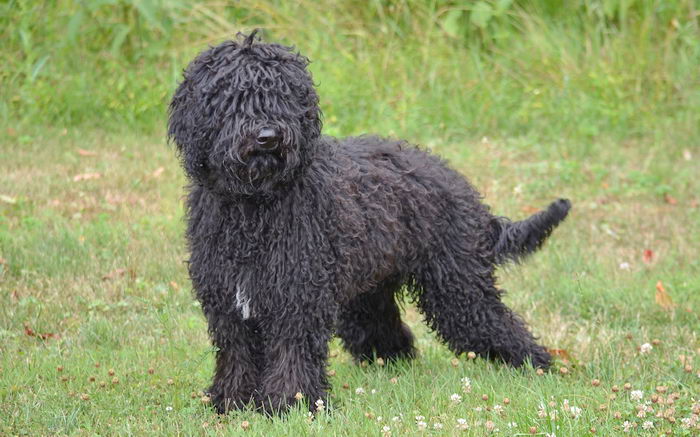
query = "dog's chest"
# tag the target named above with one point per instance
(243, 303)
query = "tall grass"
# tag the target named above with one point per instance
(550, 69)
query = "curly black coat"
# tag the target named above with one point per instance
(296, 236)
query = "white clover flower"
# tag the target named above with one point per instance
(636, 395)
(466, 385)
(689, 422)
(497, 409)
(386, 429)
(374, 391)
(624, 266)
(512, 425)
(320, 405)
(645, 348)
(359, 391)
(456, 398)
(462, 424)
(627, 426)
(420, 418)
(437, 425)
(396, 419)
(168, 408)
(421, 425)
(648, 425)
(575, 412)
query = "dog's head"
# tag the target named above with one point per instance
(245, 118)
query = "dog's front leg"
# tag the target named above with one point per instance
(297, 333)
(238, 361)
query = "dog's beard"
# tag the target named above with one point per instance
(257, 172)
(262, 166)
(246, 170)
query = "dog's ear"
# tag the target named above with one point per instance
(187, 127)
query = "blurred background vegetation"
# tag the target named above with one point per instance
(551, 70)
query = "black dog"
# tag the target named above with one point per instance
(295, 236)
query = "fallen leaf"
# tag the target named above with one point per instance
(83, 152)
(562, 354)
(114, 274)
(670, 199)
(8, 199)
(114, 198)
(663, 299)
(158, 172)
(648, 256)
(86, 176)
(685, 359)
(44, 336)
(11, 132)
(2, 261)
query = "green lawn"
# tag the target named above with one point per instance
(97, 264)
(531, 100)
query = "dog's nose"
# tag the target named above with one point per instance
(267, 139)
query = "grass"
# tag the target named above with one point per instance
(98, 263)
(599, 103)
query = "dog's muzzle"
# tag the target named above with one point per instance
(268, 140)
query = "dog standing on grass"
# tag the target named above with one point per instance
(295, 236)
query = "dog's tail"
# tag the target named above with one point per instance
(513, 241)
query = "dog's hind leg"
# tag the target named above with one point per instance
(462, 304)
(370, 326)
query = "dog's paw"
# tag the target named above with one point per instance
(540, 359)
(276, 404)
(223, 403)
(537, 356)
